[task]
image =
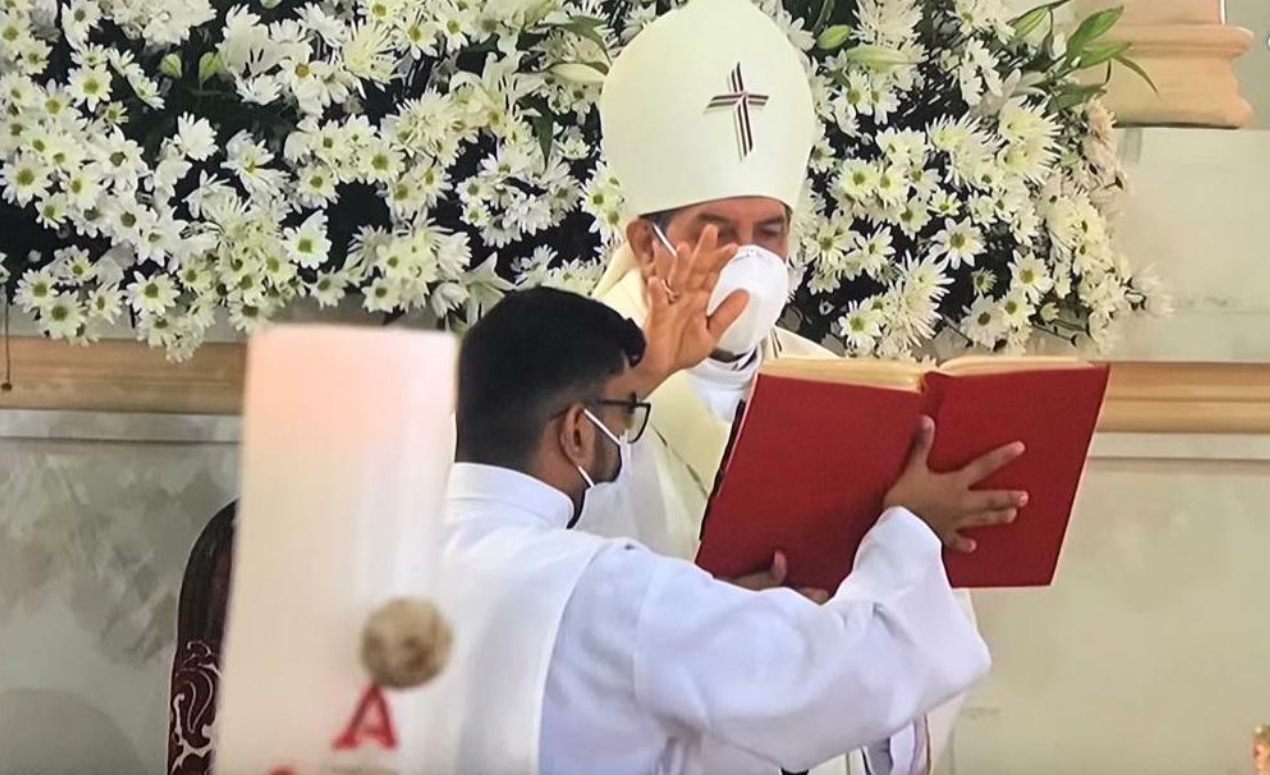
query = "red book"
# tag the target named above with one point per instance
(820, 442)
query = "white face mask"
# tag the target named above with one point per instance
(599, 490)
(765, 276)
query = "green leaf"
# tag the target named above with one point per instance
(1028, 23)
(1092, 28)
(587, 27)
(822, 18)
(1099, 53)
(879, 57)
(544, 131)
(834, 37)
(578, 72)
(208, 65)
(1043, 10)
(1137, 68)
(1072, 96)
(171, 66)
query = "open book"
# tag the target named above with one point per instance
(821, 441)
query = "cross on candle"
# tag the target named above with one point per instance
(740, 98)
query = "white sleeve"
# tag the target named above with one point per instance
(905, 753)
(940, 722)
(796, 683)
(917, 749)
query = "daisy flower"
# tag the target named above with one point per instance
(26, 178)
(36, 290)
(860, 327)
(960, 243)
(153, 295)
(62, 317)
(308, 245)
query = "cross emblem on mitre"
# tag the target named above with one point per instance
(742, 100)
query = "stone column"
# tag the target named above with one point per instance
(1189, 51)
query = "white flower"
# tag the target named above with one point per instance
(383, 295)
(62, 317)
(195, 137)
(980, 15)
(960, 242)
(892, 185)
(90, 86)
(802, 39)
(888, 22)
(168, 173)
(1017, 309)
(914, 217)
(248, 159)
(858, 180)
(860, 327)
(79, 19)
(873, 253)
(308, 245)
(380, 163)
(261, 90)
(328, 289)
(985, 323)
(104, 304)
(1020, 122)
(905, 147)
(196, 276)
(35, 290)
(368, 53)
(122, 161)
(316, 185)
(53, 211)
(858, 93)
(25, 178)
(1031, 275)
(153, 295)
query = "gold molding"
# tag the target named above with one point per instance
(122, 376)
(1187, 397)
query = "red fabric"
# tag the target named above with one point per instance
(192, 713)
(200, 632)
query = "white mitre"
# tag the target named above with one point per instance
(710, 101)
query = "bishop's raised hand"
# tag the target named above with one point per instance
(680, 330)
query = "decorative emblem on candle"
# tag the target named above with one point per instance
(406, 643)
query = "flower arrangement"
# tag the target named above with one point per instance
(178, 161)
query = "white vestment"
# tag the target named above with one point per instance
(687, 438)
(577, 654)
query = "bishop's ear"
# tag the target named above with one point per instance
(643, 244)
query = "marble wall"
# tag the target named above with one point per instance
(97, 516)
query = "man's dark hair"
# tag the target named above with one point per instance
(528, 359)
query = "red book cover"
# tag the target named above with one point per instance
(812, 461)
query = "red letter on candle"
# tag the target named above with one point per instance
(372, 720)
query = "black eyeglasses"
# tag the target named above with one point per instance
(639, 414)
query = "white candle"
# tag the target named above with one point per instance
(347, 443)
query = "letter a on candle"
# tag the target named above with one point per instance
(371, 721)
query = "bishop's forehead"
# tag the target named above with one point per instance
(710, 101)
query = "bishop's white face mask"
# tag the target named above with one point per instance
(761, 273)
(597, 491)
